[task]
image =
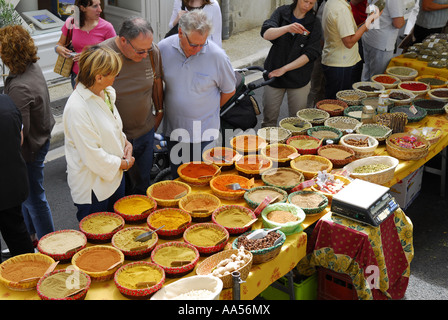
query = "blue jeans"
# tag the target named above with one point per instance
(140, 174)
(100, 206)
(337, 79)
(36, 210)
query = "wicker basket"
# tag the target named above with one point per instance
(337, 162)
(378, 88)
(326, 164)
(140, 250)
(402, 102)
(339, 104)
(103, 275)
(420, 115)
(379, 177)
(138, 217)
(406, 153)
(343, 123)
(27, 257)
(433, 94)
(430, 105)
(254, 204)
(61, 253)
(273, 151)
(295, 125)
(176, 272)
(282, 171)
(165, 233)
(167, 202)
(198, 182)
(432, 136)
(351, 97)
(229, 179)
(252, 166)
(313, 150)
(311, 131)
(101, 237)
(80, 295)
(208, 250)
(433, 86)
(200, 214)
(329, 196)
(247, 143)
(409, 73)
(360, 152)
(221, 156)
(417, 94)
(207, 266)
(349, 112)
(274, 134)
(263, 255)
(234, 230)
(287, 228)
(364, 129)
(387, 85)
(313, 115)
(310, 211)
(395, 121)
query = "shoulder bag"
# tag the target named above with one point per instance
(64, 65)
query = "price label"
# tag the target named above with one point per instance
(413, 109)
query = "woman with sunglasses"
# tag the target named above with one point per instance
(87, 28)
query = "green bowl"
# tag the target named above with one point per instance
(310, 211)
(289, 227)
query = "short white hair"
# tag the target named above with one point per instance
(196, 20)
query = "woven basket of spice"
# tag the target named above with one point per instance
(135, 208)
(305, 144)
(279, 154)
(430, 105)
(311, 202)
(247, 143)
(252, 166)
(402, 73)
(200, 206)
(386, 80)
(439, 94)
(400, 97)
(22, 272)
(274, 134)
(406, 146)
(295, 125)
(172, 221)
(396, 121)
(419, 89)
(369, 88)
(263, 250)
(412, 116)
(287, 216)
(255, 196)
(176, 258)
(283, 178)
(332, 106)
(343, 123)
(219, 186)
(208, 238)
(197, 173)
(376, 169)
(100, 262)
(139, 279)
(378, 131)
(325, 133)
(124, 240)
(351, 97)
(234, 218)
(168, 193)
(338, 155)
(354, 112)
(60, 285)
(100, 227)
(313, 116)
(434, 82)
(61, 245)
(362, 145)
(221, 156)
(310, 165)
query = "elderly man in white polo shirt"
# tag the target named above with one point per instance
(199, 79)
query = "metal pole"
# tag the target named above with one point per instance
(236, 285)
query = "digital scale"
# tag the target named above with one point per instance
(365, 202)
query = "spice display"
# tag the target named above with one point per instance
(307, 200)
(62, 284)
(355, 114)
(279, 152)
(351, 97)
(385, 79)
(371, 168)
(222, 181)
(281, 216)
(304, 143)
(202, 204)
(395, 121)
(367, 88)
(357, 142)
(253, 163)
(410, 112)
(134, 205)
(171, 219)
(440, 93)
(258, 196)
(402, 71)
(333, 107)
(334, 153)
(166, 255)
(60, 243)
(131, 277)
(429, 104)
(310, 165)
(408, 142)
(248, 142)
(414, 86)
(196, 170)
(204, 236)
(432, 81)
(398, 96)
(125, 239)
(258, 244)
(374, 131)
(295, 126)
(233, 263)
(168, 191)
(101, 224)
(221, 155)
(22, 270)
(233, 218)
(97, 260)
(324, 134)
(282, 177)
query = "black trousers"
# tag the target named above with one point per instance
(14, 231)
(421, 33)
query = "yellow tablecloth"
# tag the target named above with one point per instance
(420, 66)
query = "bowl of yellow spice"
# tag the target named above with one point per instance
(135, 208)
(234, 218)
(64, 284)
(176, 258)
(124, 240)
(171, 221)
(139, 279)
(208, 238)
(100, 227)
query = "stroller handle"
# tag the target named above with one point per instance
(267, 80)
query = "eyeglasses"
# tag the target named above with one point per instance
(139, 51)
(195, 45)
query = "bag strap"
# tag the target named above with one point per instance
(68, 40)
(156, 88)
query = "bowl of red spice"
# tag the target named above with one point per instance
(386, 80)
(219, 186)
(197, 173)
(248, 143)
(172, 221)
(439, 94)
(251, 166)
(419, 89)
(221, 156)
(168, 193)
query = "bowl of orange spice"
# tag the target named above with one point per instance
(197, 173)
(168, 193)
(219, 186)
(248, 143)
(251, 166)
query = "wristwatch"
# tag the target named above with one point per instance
(160, 111)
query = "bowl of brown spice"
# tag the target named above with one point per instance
(369, 88)
(310, 165)
(311, 202)
(337, 154)
(362, 145)
(280, 154)
(221, 156)
(351, 97)
(287, 216)
(332, 106)
(168, 193)
(283, 178)
(200, 205)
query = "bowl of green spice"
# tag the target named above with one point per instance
(375, 169)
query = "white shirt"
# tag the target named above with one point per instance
(213, 12)
(94, 145)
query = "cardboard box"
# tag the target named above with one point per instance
(406, 190)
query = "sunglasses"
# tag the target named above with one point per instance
(195, 45)
(139, 51)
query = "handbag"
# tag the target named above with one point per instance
(174, 29)
(64, 65)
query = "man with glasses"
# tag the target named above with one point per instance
(136, 92)
(199, 79)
